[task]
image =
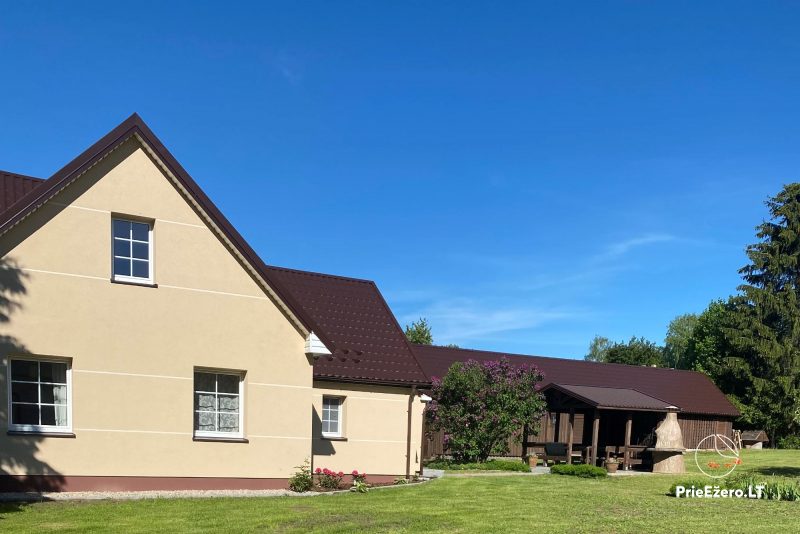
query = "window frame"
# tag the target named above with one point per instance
(212, 435)
(130, 279)
(340, 431)
(39, 429)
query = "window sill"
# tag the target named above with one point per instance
(44, 433)
(220, 439)
(334, 438)
(134, 283)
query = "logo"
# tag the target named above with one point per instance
(727, 456)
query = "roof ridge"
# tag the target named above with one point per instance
(561, 358)
(324, 275)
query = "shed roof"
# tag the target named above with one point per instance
(754, 435)
(613, 398)
(690, 391)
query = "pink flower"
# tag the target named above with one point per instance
(341, 474)
(318, 471)
(355, 472)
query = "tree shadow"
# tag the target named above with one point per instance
(782, 471)
(20, 469)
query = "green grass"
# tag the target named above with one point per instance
(477, 504)
(489, 465)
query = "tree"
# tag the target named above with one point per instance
(598, 349)
(419, 332)
(676, 344)
(481, 406)
(637, 351)
(764, 326)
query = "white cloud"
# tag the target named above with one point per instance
(621, 248)
(461, 319)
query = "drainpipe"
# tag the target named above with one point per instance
(408, 430)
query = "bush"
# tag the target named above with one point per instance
(579, 470)
(479, 406)
(328, 479)
(789, 442)
(302, 480)
(359, 482)
(488, 465)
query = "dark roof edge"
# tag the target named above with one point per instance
(368, 381)
(322, 275)
(589, 362)
(23, 176)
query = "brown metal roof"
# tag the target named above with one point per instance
(365, 340)
(14, 186)
(613, 398)
(690, 391)
(348, 315)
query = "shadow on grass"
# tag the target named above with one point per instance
(782, 471)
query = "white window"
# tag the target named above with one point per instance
(332, 416)
(218, 404)
(39, 395)
(132, 251)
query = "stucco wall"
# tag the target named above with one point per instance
(134, 349)
(375, 429)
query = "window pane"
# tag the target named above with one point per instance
(54, 394)
(122, 248)
(141, 231)
(48, 415)
(326, 427)
(228, 422)
(122, 228)
(22, 392)
(204, 382)
(205, 421)
(228, 383)
(61, 415)
(24, 414)
(141, 269)
(140, 250)
(53, 372)
(24, 370)
(204, 402)
(228, 403)
(122, 267)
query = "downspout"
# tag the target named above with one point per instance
(408, 430)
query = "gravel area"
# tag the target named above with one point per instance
(192, 494)
(134, 495)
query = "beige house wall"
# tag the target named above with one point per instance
(375, 429)
(134, 349)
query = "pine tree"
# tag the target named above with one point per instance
(764, 327)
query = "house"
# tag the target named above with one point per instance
(145, 345)
(603, 404)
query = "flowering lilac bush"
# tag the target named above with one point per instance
(480, 406)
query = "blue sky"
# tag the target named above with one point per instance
(525, 175)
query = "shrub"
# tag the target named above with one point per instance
(579, 470)
(302, 480)
(789, 442)
(489, 465)
(400, 481)
(481, 405)
(359, 482)
(328, 479)
(358, 477)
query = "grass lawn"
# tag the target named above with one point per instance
(546, 503)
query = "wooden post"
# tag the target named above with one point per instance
(626, 462)
(570, 431)
(525, 443)
(595, 435)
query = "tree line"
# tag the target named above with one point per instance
(749, 342)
